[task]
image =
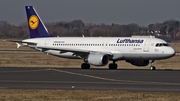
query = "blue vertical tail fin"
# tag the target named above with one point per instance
(36, 26)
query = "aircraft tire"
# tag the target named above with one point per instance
(85, 66)
(112, 66)
(152, 68)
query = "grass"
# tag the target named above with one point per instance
(5, 45)
(85, 95)
(176, 46)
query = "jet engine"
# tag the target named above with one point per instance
(98, 59)
(138, 62)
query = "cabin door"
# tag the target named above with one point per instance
(146, 46)
(46, 42)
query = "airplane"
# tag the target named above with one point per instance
(97, 51)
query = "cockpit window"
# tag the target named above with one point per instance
(164, 44)
(157, 44)
(161, 44)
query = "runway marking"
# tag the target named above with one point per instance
(24, 71)
(85, 75)
(114, 80)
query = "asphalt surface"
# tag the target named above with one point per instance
(94, 79)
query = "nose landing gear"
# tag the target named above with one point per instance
(152, 67)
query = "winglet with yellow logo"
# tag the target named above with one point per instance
(36, 26)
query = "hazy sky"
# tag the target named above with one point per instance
(142, 12)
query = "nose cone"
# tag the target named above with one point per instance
(170, 52)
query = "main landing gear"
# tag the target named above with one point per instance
(152, 67)
(85, 66)
(113, 65)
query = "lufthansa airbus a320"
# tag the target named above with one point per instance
(98, 51)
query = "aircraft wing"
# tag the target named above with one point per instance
(85, 51)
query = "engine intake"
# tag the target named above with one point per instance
(98, 59)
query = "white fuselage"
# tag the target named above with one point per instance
(121, 48)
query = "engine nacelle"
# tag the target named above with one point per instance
(138, 62)
(98, 59)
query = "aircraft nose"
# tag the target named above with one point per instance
(171, 52)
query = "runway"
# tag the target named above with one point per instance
(92, 79)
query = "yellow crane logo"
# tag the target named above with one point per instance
(33, 22)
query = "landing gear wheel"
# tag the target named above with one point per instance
(85, 66)
(112, 66)
(152, 68)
